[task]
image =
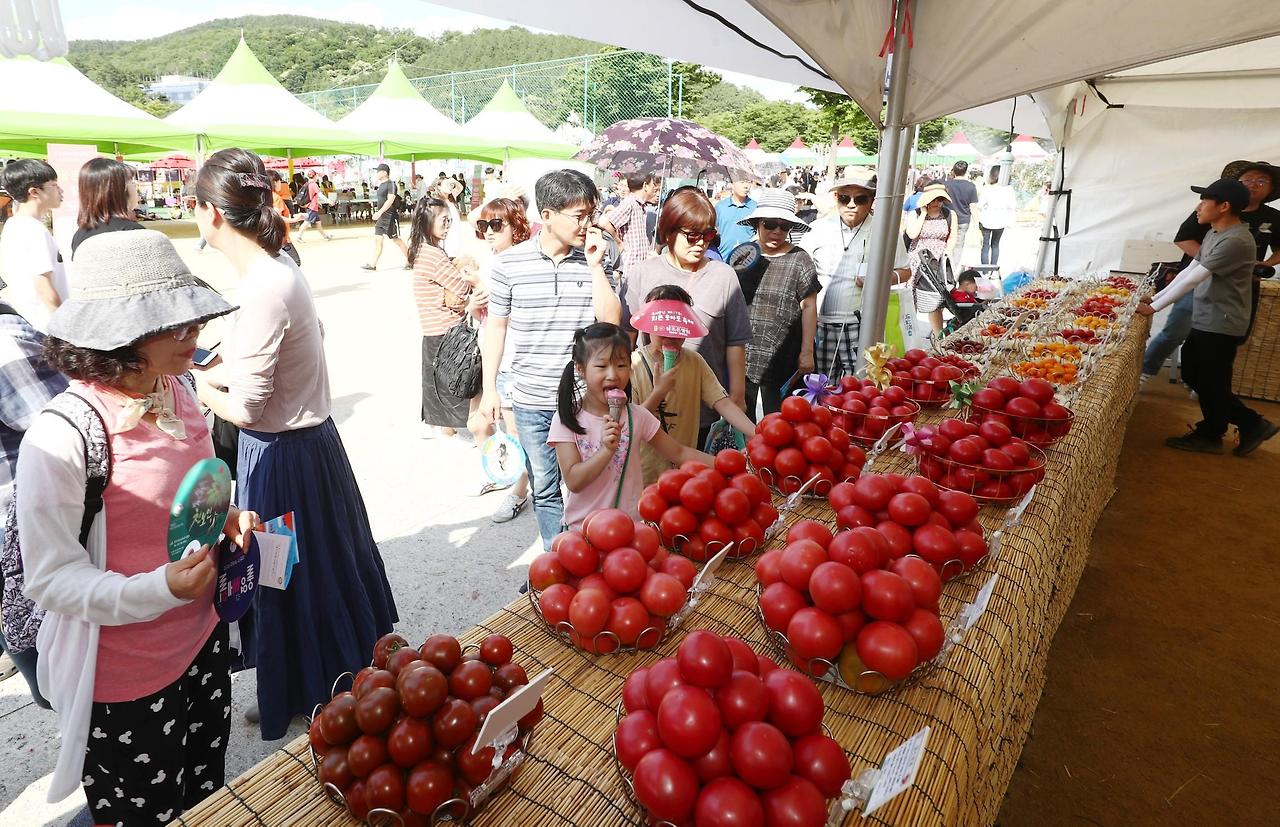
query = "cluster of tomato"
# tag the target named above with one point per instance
(865, 412)
(720, 736)
(967, 346)
(402, 738)
(927, 379)
(1048, 368)
(611, 584)
(1028, 408)
(1040, 293)
(1121, 283)
(983, 459)
(862, 599)
(1029, 302)
(1081, 335)
(802, 441)
(700, 510)
(1062, 350)
(1092, 322)
(1102, 306)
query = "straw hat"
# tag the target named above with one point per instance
(129, 286)
(931, 193)
(777, 204)
(1237, 168)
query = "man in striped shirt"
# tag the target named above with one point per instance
(628, 221)
(540, 292)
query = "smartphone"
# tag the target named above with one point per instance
(202, 357)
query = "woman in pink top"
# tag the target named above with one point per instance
(594, 434)
(273, 383)
(143, 693)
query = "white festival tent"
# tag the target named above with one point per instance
(843, 45)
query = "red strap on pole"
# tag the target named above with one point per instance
(887, 48)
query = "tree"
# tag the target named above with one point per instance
(629, 85)
(774, 124)
(722, 97)
(841, 116)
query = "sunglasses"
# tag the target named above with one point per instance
(773, 224)
(698, 236)
(861, 200)
(495, 224)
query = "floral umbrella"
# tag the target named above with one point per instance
(668, 146)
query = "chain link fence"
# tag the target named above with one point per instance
(591, 91)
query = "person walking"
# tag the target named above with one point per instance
(1221, 275)
(963, 196)
(730, 211)
(33, 266)
(143, 690)
(314, 217)
(931, 227)
(540, 293)
(386, 218)
(996, 209)
(628, 222)
(108, 198)
(273, 383)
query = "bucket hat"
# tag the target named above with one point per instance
(931, 193)
(1237, 168)
(778, 204)
(866, 180)
(128, 287)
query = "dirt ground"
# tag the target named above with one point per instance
(1160, 704)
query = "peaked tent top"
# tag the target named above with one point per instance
(751, 144)
(245, 106)
(847, 143)
(44, 102)
(796, 144)
(506, 123)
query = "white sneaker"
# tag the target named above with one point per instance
(1142, 380)
(511, 506)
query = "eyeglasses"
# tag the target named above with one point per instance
(584, 220)
(187, 331)
(698, 236)
(495, 224)
(1254, 183)
(772, 224)
(861, 199)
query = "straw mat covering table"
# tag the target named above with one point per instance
(1257, 374)
(979, 703)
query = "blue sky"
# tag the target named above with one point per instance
(136, 19)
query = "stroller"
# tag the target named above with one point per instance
(931, 273)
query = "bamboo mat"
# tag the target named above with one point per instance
(1257, 373)
(979, 702)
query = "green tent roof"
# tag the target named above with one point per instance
(512, 128)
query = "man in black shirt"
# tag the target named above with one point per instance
(386, 217)
(963, 196)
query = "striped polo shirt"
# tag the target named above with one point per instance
(544, 303)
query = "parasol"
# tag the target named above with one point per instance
(672, 147)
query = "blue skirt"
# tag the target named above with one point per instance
(338, 602)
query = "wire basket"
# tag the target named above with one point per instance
(987, 486)
(875, 426)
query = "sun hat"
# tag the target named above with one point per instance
(1237, 168)
(779, 204)
(866, 180)
(670, 318)
(128, 287)
(931, 193)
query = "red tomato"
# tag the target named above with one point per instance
(857, 552)
(401, 658)
(546, 570)
(662, 594)
(454, 723)
(633, 690)
(624, 570)
(508, 676)
(898, 538)
(677, 521)
(1017, 453)
(777, 433)
(749, 536)
(681, 568)
(688, 721)
(795, 803)
(872, 492)
(762, 456)
(732, 506)
(430, 784)
(384, 788)
(764, 514)
(752, 486)
(705, 659)
(965, 451)
(670, 482)
(635, 737)
(886, 596)
(377, 710)
(366, 754)
(742, 699)
(651, 504)
(888, 649)
(695, 548)
(778, 603)
(588, 612)
(577, 555)
(715, 532)
(959, 508)
(803, 431)
(926, 629)
(790, 462)
(335, 770)
(971, 547)
(646, 541)
(841, 495)
(663, 676)
(851, 623)
(697, 495)
(744, 657)
(909, 509)
(496, 650)
(609, 529)
(409, 742)
(595, 581)
(926, 586)
(852, 516)
(935, 544)
(666, 785)
(795, 409)
(473, 679)
(767, 567)
(795, 705)
(422, 691)
(817, 449)
(809, 530)
(727, 802)
(761, 753)
(834, 588)
(715, 762)
(730, 462)
(815, 634)
(799, 559)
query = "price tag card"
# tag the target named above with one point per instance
(237, 581)
(504, 717)
(710, 569)
(199, 509)
(970, 614)
(273, 549)
(285, 526)
(898, 772)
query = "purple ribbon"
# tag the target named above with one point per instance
(816, 388)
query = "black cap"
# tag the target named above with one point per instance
(387, 169)
(1226, 190)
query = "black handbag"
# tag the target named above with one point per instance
(458, 365)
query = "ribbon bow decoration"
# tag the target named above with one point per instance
(877, 357)
(157, 403)
(913, 437)
(962, 393)
(817, 386)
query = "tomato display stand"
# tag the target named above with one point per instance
(1257, 372)
(979, 703)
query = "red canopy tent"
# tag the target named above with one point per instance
(175, 161)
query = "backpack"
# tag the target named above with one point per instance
(20, 616)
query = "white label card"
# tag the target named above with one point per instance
(712, 566)
(898, 772)
(505, 716)
(274, 552)
(973, 611)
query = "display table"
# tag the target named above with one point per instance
(1257, 373)
(979, 703)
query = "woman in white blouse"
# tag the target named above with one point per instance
(996, 208)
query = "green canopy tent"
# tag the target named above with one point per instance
(512, 128)
(245, 106)
(409, 128)
(44, 102)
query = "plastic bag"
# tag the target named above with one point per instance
(722, 435)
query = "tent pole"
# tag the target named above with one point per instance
(1060, 178)
(288, 154)
(890, 173)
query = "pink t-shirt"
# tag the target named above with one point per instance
(147, 465)
(600, 493)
